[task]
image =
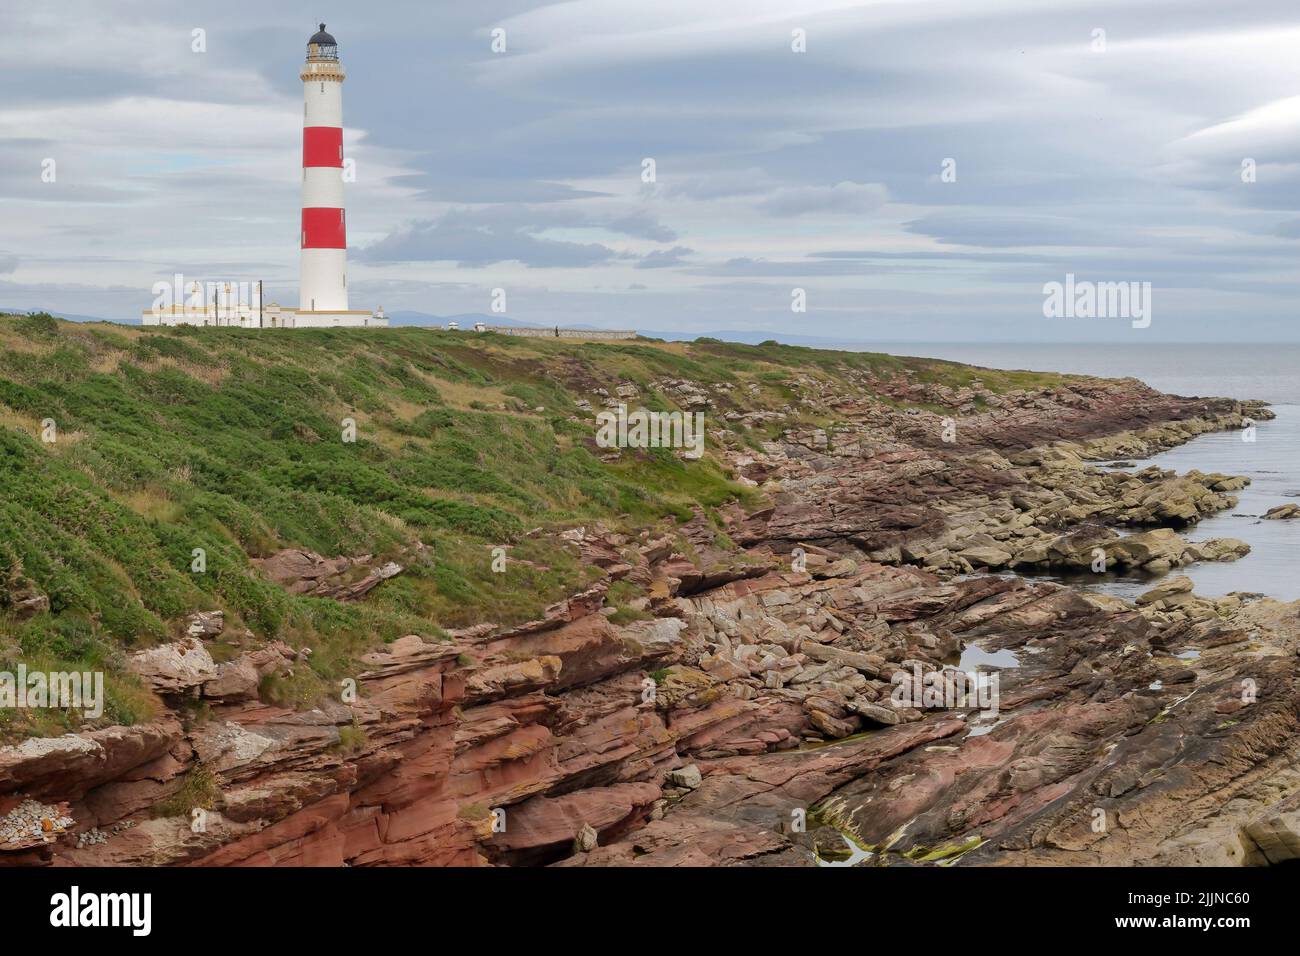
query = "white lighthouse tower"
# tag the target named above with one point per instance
(324, 283)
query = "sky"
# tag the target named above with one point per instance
(911, 170)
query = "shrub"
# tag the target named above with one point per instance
(199, 789)
(38, 325)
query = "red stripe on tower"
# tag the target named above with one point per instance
(324, 229)
(322, 146)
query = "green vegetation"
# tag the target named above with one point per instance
(351, 739)
(619, 597)
(198, 790)
(231, 441)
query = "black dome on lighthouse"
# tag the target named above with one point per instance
(323, 39)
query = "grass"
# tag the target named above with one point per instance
(232, 441)
(628, 615)
(351, 739)
(198, 790)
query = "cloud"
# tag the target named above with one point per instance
(740, 182)
(639, 224)
(1019, 229)
(843, 198)
(466, 188)
(763, 268)
(458, 237)
(663, 258)
(482, 235)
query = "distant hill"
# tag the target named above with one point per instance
(69, 316)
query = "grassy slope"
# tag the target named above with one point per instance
(230, 441)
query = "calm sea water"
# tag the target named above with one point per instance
(1270, 372)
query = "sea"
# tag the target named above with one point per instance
(1272, 462)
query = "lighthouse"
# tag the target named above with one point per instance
(324, 281)
(323, 237)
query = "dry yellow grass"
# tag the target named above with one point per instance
(107, 364)
(23, 423)
(151, 502)
(461, 394)
(211, 374)
(404, 410)
(34, 427)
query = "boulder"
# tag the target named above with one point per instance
(174, 668)
(586, 840)
(837, 569)
(1148, 547)
(831, 726)
(1274, 836)
(1219, 549)
(205, 624)
(688, 777)
(986, 556)
(235, 680)
(1166, 589)
(28, 604)
(870, 664)
(876, 713)
(1283, 512)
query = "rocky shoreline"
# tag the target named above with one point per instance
(744, 715)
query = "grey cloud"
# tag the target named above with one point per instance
(477, 236)
(919, 255)
(740, 182)
(763, 268)
(663, 258)
(642, 225)
(845, 197)
(1019, 230)
(457, 238)
(468, 189)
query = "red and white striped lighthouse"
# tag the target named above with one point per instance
(323, 283)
